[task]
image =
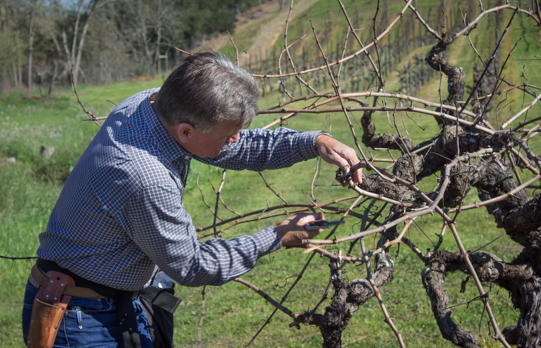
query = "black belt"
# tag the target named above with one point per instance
(159, 297)
(47, 265)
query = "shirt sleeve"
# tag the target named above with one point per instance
(260, 149)
(161, 227)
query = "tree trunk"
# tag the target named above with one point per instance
(30, 44)
(53, 78)
(77, 53)
(158, 35)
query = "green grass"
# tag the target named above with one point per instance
(29, 190)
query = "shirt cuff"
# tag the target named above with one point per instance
(307, 144)
(267, 241)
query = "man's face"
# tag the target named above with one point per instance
(210, 143)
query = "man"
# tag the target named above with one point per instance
(120, 217)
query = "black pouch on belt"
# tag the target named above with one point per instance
(128, 322)
(48, 310)
(159, 305)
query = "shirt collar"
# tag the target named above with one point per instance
(169, 148)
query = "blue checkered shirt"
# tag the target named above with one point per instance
(120, 216)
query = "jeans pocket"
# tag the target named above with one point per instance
(90, 305)
(84, 327)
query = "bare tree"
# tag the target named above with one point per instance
(72, 47)
(150, 30)
(137, 33)
(12, 14)
(86, 11)
(31, 19)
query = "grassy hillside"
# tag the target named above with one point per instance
(234, 313)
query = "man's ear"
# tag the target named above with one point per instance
(185, 133)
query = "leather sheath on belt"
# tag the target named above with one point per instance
(49, 307)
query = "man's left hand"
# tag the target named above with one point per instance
(334, 152)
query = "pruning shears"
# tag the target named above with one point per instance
(316, 225)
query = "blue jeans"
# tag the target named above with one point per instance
(89, 322)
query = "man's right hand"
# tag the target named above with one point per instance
(292, 232)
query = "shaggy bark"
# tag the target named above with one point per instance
(518, 277)
(456, 77)
(517, 214)
(433, 278)
(347, 299)
(385, 141)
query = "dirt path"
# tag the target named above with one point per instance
(268, 33)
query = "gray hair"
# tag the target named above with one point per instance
(205, 90)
